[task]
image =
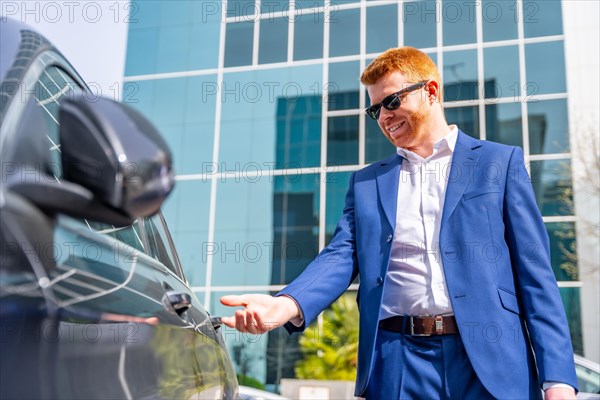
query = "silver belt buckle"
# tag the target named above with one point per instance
(412, 329)
(439, 324)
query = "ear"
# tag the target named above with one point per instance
(432, 88)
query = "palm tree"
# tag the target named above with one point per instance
(330, 344)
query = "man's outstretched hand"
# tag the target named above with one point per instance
(261, 312)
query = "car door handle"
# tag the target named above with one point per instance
(178, 302)
(216, 322)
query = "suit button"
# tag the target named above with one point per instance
(379, 281)
(389, 238)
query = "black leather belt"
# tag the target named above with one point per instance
(421, 326)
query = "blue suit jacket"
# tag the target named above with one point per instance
(495, 254)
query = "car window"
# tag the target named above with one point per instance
(588, 380)
(53, 86)
(159, 243)
(129, 235)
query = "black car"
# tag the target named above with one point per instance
(93, 299)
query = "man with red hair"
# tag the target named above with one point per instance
(457, 296)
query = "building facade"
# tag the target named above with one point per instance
(261, 104)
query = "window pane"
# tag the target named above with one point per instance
(295, 225)
(343, 85)
(571, 298)
(563, 251)
(237, 8)
(271, 6)
(308, 36)
(553, 186)
(337, 186)
(545, 68)
(173, 48)
(382, 28)
(344, 33)
(467, 119)
(309, 3)
(542, 18)
(499, 20)
(273, 40)
(503, 123)
(243, 231)
(158, 240)
(501, 71)
(186, 211)
(419, 23)
(377, 145)
(254, 123)
(548, 127)
(342, 140)
(460, 75)
(141, 51)
(458, 22)
(238, 43)
(298, 132)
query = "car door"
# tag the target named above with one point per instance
(90, 310)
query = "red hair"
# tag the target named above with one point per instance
(415, 65)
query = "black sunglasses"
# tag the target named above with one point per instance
(393, 101)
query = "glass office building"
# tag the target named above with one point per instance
(261, 104)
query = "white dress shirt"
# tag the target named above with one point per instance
(415, 282)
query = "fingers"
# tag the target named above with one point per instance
(234, 300)
(228, 321)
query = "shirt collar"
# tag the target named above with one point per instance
(447, 142)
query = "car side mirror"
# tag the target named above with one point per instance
(116, 166)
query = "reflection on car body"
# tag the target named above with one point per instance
(93, 299)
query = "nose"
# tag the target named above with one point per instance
(384, 114)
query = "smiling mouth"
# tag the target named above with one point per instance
(394, 128)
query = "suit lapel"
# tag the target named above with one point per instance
(388, 174)
(463, 165)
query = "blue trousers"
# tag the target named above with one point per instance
(422, 367)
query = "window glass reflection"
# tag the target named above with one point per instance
(243, 235)
(254, 126)
(186, 212)
(467, 119)
(458, 22)
(382, 28)
(141, 51)
(173, 45)
(571, 299)
(344, 33)
(545, 68)
(271, 6)
(236, 8)
(377, 146)
(308, 3)
(499, 20)
(460, 75)
(295, 225)
(553, 186)
(548, 127)
(563, 252)
(273, 40)
(308, 36)
(419, 20)
(501, 71)
(542, 18)
(238, 43)
(337, 186)
(342, 140)
(343, 85)
(503, 123)
(298, 132)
